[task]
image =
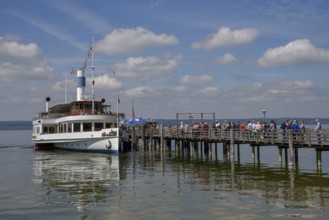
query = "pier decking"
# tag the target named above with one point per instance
(288, 140)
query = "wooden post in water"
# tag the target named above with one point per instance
(238, 148)
(280, 154)
(291, 149)
(161, 137)
(318, 159)
(143, 137)
(133, 138)
(231, 144)
(296, 155)
(216, 151)
(151, 144)
(224, 148)
(253, 153)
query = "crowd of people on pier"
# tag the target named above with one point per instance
(252, 126)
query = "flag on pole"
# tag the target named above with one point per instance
(133, 110)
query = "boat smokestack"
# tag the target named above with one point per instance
(81, 84)
(47, 104)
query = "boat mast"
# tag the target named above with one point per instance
(92, 76)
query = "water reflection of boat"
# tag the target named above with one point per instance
(76, 179)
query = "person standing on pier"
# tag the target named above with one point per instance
(181, 128)
(295, 129)
(186, 127)
(318, 130)
(283, 128)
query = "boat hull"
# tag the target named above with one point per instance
(105, 141)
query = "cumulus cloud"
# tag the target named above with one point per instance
(123, 41)
(141, 91)
(227, 58)
(208, 90)
(187, 79)
(23, 61)
(257, 98)
(17, 50)
(226, 37)
(298, 52)
(296, 84)
(107, 82)
(145, 67)
(290, 87)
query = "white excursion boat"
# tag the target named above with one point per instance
(81, 125)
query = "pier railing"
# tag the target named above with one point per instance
(305, 138)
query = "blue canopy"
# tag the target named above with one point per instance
(135, 121)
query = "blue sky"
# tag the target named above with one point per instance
(233, 58)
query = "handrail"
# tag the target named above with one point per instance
(308, 137)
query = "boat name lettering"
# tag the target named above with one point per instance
(110, 133)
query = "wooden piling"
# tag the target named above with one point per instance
(232, 144)
(280, 154)
(291, 149)
(318, 159)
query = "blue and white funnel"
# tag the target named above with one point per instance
(81, 84)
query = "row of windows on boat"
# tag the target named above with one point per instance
(75, 127)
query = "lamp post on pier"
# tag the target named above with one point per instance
(264, 113)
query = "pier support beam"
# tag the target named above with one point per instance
(291, 150)
(280, 154)
(253, 153)
(162, 137)
(319, 159)
(231, 144)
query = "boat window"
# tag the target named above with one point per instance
(45, 130)
(98, 126)
(86, 126)
(108, 125)
(76, 127)
(69, 127)
(51, 130)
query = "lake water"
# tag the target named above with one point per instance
(153, 184)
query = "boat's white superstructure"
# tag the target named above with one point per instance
(81, 125)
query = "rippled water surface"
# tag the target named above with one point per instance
(155, 184)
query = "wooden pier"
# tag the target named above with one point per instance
(288, 141)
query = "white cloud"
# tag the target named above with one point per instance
(123, 41)
(227, 58)
(208, 90)
(187, 79)
(17, 50)
(294, 85)
(298, 52)
(107, 82)
(141, 91)
(23, 61)
(256, 86)
(145, 67)
(226, 37)
(259, 98)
